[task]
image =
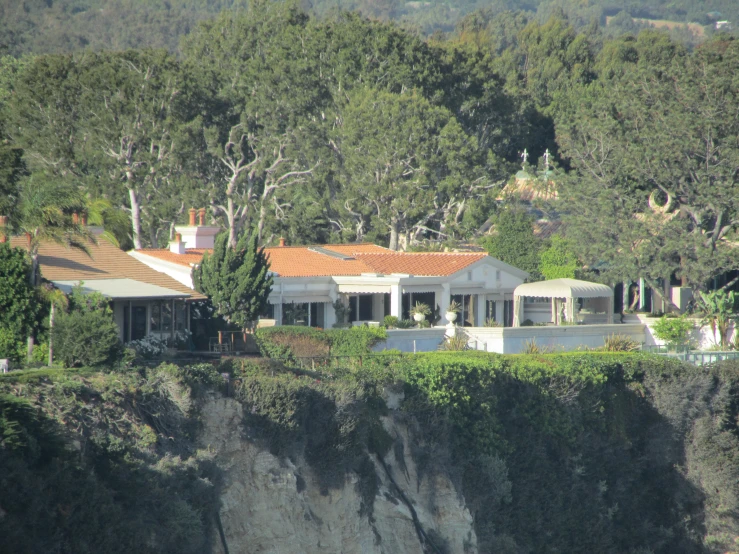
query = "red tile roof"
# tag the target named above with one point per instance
(105, 261)
(302, 261)
(420, 263)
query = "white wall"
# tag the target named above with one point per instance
(425, 340)
(512, 340)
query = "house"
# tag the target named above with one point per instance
(144, 301)
(370, 281)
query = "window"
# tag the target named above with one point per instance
(360, 308)
(490, 308)
(508, 313)
(269, 312)
(295, 313)
(180, 316)
(317, 312)
(468, 315)
(161, 316)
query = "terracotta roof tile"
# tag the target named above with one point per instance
(420, 263)
(105, 261)
(301, 261)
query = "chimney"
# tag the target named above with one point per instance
(83, 220)
(192, 212)
(282, 242)
(201, 216)
(177, 246)
(76, 218)
(3, 225)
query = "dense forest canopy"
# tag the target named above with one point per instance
(343, 128)
(47, 26)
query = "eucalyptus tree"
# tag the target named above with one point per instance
(269, 93)
(111, 122)
(408, 167)
(136, 103)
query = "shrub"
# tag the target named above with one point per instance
(11, 345)
(390, 321)
(86, 338)
(306, 342)
(674, 331)
(456, 343)
(620, 343)
(532, 347)
(149, 348)
(404, 324)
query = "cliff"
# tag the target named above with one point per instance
(272, 505)
(439, 453)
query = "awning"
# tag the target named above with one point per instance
(120, 289)
(298, 299)
(563, 288)
(556, 289)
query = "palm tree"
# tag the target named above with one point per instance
(56, 298)
(45, 213)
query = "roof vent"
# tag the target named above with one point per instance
(330, 253)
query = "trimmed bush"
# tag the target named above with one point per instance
(674, 331)
(288, 342)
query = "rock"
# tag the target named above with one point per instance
(271, 505)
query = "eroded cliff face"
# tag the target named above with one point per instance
(271, 505)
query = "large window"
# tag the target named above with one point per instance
(411, 298)
(163, 319)
(304, 313)
(508, 313)
(360, 308)
(468, 315)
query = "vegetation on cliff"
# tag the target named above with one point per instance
(581, 452)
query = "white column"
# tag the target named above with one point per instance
(278, 312)
(500, 309)
(444, 300)
(480, 315)
(396, 301)
(642, 290)
(378, 307)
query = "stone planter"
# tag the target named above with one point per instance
(451, 317)
(418, 318)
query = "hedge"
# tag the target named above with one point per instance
(290, 342)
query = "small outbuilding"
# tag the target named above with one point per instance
(597, 299)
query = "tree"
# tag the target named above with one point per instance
(264, 74)
(45, 212)
(236, 280)
(514, 242)
(408, 166)
(717, 308)
(86, 335)
(20, 307)
(558, 260)
(56, 299)
(657, 167)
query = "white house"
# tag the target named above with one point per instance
(371, 281)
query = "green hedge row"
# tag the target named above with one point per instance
(288, 342)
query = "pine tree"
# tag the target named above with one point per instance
(236, 280)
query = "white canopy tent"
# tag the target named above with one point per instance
(560, 290)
